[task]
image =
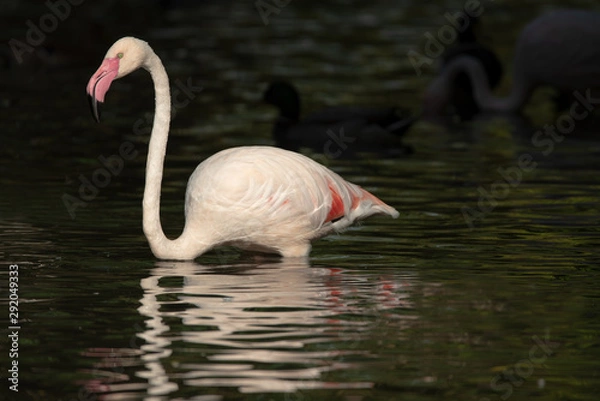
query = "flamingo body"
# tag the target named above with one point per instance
(560, 48)
(254, 197)
(269, 199)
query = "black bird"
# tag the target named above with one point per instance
(339, 131)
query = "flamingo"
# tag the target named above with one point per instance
(462, 91)
(560, 49)
(258, 198)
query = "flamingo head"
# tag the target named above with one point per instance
(124, 56)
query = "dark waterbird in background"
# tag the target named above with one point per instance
(560, 49)
(339, 131)
(462, 100)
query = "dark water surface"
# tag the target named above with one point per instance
(485, 288)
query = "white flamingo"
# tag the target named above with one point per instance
(254, 197)
(560, 49)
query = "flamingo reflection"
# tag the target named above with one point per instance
(260, 328)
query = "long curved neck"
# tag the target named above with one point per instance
(161, 246)
(483, 95)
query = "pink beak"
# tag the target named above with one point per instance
(100, 82)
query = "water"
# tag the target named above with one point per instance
(484, 288)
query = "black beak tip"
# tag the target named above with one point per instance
(94, 107)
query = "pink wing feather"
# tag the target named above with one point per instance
(351, 201)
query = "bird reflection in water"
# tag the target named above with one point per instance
(276, 327)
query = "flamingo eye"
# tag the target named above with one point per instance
(119, 55)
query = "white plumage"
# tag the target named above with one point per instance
(254, 197)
